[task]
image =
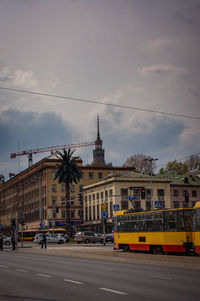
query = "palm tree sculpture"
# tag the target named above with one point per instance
(67, 172)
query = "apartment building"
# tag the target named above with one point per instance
(122, 192)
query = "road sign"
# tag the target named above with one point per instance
(103, 207)
(132, 198)
(158, 204)
(104, 214)
(115, 207)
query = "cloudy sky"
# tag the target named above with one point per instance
(137, 53)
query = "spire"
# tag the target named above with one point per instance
(98, 134)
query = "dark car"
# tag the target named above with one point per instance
(87, 237)
(109, 237)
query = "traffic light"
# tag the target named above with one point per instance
(187, 197)
(12, 222)
(142, 194)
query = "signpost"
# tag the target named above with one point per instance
(158, 204)
(116, 208)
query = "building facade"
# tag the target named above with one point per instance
(122, 192)
(35, 197)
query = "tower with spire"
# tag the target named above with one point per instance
(98, 152)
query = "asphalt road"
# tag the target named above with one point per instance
(54, 278)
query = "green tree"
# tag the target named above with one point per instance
(178, 167)
(67, 172)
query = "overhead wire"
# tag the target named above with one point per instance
(101, 103)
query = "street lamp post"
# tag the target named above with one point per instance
(151, 169)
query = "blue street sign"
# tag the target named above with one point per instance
(104, 214)
(132, 198)
(115, 207)
(158, 204)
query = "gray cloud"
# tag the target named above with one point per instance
(33, 130)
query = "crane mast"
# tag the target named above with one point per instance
(51, 149)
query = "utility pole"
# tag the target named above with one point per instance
(151, 169)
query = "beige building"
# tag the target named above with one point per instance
(33, 195)
(122, 192)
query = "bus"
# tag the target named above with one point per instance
(28, 235)
(157, 231)
(196, 228)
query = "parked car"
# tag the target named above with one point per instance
(87, 237)
(51, 238)
(65, 236)
(109, 237)
(6, 240)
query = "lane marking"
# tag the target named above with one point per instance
(160, 277)
(3, 266)
(20, 270)
(112, 291)
(73, 281)
(44, 275)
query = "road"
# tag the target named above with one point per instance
(40, 277)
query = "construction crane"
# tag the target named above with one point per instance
(48, 149)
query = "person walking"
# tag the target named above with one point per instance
(13, 243)
(1, 242)
(44, 241)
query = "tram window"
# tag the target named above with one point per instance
(188, 220)
(149, 225)
(158, 225)
(170, 221)
(180, 221)
(197, 219)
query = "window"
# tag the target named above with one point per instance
(194, 193)
(53, 187)
(111, 209)
(72, 203)
(53, 174)
(100, 175)
(124, 192)
(63, 201)
(89, 197)
(110, 192)
(97, 211)
(124, 205)
(62, 188)
(81, 175)
(148, 206)
(72, 188)
(101, 194)
(97, 195)
(90, 217)
(175, 192)
(161, 192)
(80, 188)
(176, 204)
(94, 212)
(93, 196)
(63, 214)
(72, 214)
(86, 198)
(53, 201)
(90, 175)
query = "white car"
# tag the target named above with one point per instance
(6, 240)
(51, 238)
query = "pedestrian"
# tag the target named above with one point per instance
(44, 241)
(1, 242)
(13, 243)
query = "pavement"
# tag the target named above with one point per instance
(107, 253)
